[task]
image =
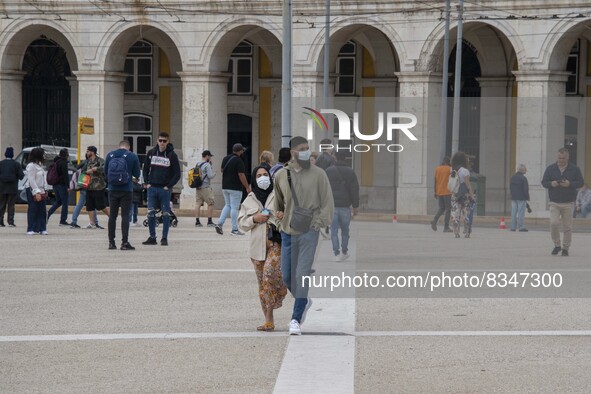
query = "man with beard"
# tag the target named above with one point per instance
(300, 187)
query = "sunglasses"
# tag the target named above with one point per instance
(162, 140)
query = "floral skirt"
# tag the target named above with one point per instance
(272, 290)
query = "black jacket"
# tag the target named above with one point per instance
(62, 170)
(559, 194)
(324, 161)
(519, 187)
(10, 173)
(344, 185)
(162, 168)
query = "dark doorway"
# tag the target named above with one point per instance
(240, 131)
(469, 139)
(46, 95)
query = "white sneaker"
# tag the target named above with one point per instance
(345, 256)
(338, 258)
(44, 232)
(31, 233)
(91, 226)
(294, 328)
(306, 309)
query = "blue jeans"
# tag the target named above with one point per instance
(61, 199)
(297, 256)
(158, 198)
(340, 220)
(79, 205)
(36, 214)
(133, 212)
(231, 205)
(517, 214)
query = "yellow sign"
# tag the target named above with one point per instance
(86, 125)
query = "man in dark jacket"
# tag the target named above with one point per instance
(10, 173)
(120, 190)
(519, 197)
(345, 191)
(562, 179)
(61, 189)
(162, 171)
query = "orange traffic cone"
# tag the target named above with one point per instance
(394, 219)
(503, 226)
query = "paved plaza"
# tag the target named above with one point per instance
(76, 317)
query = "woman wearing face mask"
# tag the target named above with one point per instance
(265, 243)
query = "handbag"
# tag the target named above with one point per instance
(83, 181)
(273, 234)
(462, 191)
(301, 218)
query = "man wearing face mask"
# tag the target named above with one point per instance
(306, 189)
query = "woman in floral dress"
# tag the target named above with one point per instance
(265, 243)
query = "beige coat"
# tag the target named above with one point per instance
(258, 231)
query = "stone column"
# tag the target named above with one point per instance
(494, 141)
(420, 95)
(73, 110)
(204, 125)
(11, 110)
(100, 96)
(307, 92)
(540, 127)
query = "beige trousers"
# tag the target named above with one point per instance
(561, 212)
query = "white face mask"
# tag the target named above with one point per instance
(304, 155)
(264, 182)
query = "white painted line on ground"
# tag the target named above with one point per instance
(109, 337)
(318, 363)
(125, 270)
(538, 333)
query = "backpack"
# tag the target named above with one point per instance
(53, 178)
(453, 182)
(196, 176)
(117, 172)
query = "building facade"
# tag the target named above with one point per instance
(209, 73)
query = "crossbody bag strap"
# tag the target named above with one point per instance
(293, 193)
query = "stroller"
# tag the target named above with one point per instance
(173, 218)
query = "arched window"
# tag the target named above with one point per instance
(346, 69)
(138, 66)
(240, 66)
(137, 129)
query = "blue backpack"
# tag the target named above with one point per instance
(117, 172)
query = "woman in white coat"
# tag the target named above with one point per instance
(265, 243)
(36, 194)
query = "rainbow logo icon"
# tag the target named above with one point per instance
(316, 117)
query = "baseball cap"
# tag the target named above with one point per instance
(206, 153)
(93, 149)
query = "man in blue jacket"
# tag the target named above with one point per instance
(121, 166)
(161, 171)
(562, 179)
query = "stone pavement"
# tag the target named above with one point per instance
(76, 317)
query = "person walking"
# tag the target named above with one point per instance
(95, 193)
(257, 218)
(266, 159)
(61, 188)
(121, 166)
(10, 173)
(36, 193)
(81, 199)
(162, 171)
(305, 187)
(519, 188)
(204, 193)
(583, 202)
(345, 191)
(461, 200)
(562, 179)
(233, 181)
(442, 195)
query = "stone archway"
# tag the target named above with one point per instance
(39, 58)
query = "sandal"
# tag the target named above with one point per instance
(266, 327)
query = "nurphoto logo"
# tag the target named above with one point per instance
(392, 121)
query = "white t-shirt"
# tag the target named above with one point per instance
(462, 173)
